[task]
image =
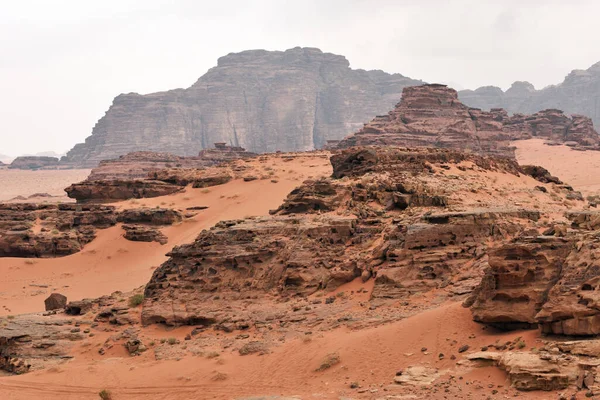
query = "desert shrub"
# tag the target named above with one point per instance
(329, 361)
(105, 394)
(136, 300)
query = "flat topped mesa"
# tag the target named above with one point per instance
(432, 116)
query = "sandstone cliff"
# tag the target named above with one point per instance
(260, 100)
(579, 93)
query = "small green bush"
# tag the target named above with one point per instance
(136, 300)
(105, 394)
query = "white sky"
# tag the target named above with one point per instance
(63, 61)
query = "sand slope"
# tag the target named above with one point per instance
(112, 263)
(577, 168)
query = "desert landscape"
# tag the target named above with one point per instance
(372, 269)
(242, 218)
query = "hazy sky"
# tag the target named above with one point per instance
(63, 61)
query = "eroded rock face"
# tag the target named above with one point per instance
(54, 230)
(516, 285)
(137, 165)
(295, 101)
(432, 116)
(138, 233)
(198, 178)
(50, 230)
(383, 216)
(29, 343)
(548, 281)
(534, 371)
(115, 190)
(152, 216)
(241, 258)
(143, 164)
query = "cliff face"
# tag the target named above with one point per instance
(432, 116)
(260, 100)
(579, 93)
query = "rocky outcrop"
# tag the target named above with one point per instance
(577, 94)
(517, 283)
(54, 230)
(546, 281)
(198, 178)
(147, 174)
(50, 230)
(144, 164)
(139, 233)
(432, 116)
(151, 216)
(34, 162)
(383, 216)
(115, 190)
(260, 100)
(31, 342)
(538, 371)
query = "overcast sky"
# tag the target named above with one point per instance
(63, 61)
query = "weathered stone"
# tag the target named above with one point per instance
(115, 190)
(55, 301)
(138, 233)
(151, 216)
(518, 280)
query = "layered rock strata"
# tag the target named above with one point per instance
(432, 116)
(398, 216)
(264, 101)
(54, 230)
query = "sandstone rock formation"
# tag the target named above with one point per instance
(432, 116)
(140, 164)
(115, 190)
(62, 228)
(33, 162)
(54, 230)
(577, 94)
(148, 174)
(260, 100)
(29, 343)
(398, 216)
(138, 233)
(546, 281)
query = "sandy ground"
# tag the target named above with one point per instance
(369, 357)
(16, 182)
(111, 263)
(577, 168)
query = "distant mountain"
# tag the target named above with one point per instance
(6, 159)
(45, 154)
(260, 100)
(291, 100)
(579, 93)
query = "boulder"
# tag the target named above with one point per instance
(55, 301)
